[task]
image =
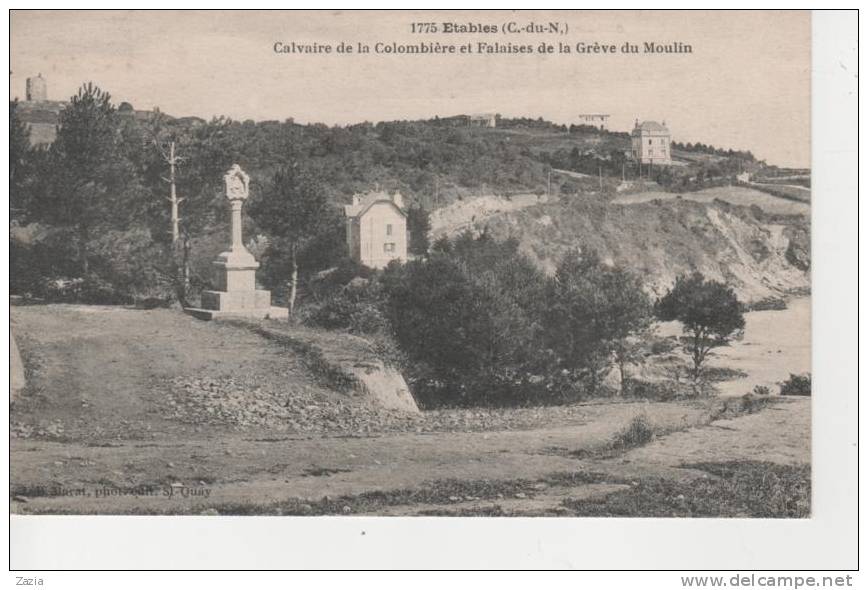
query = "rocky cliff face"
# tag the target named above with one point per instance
(758, 254)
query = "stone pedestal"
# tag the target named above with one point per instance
(237, 295)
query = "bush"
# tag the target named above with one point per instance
(797, 385)
(658, 391)
(761, 390)
(663, 345)
(356, 311)
(126, 267)
(638, 433)
(327, 283)
(766, 304)
(465, 317)
(751, 403)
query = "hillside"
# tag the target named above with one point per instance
(759, 254)
(464, 176)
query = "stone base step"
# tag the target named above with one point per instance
(274, 313)
(236, 301)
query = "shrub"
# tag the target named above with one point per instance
(761, 390)
(797, 385)
(465, 318)
(638, 433)
(125, 268)
(766, 304)
(751, 403)
(347, 311)
(658, 391)
(663, 345)
(327, 283)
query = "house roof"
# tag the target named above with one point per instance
(363, 202)
(650, 126)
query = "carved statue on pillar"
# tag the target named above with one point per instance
(236, 267)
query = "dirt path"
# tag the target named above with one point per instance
(735, 195)
(120, 453)
(257, 469)
(100, 372)
(254, 471)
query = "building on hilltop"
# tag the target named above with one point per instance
(37, 112)
(483, 120)
(42, 116)
(651, 143)
(37, 89)
(377, 228)
(601, 122)
(477, 120)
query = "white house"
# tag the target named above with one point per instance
(377, 228)
(482, 120)
(651, 142)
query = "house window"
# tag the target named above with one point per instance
(649, 141)
(388, 229)
(389, 247)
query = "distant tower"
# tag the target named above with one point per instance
(37, 90)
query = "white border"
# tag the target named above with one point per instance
(824, 542)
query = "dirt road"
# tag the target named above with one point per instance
(95, 433)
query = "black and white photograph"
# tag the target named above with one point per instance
(475, 264)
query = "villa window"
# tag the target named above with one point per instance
(388, 247)
(388, 229)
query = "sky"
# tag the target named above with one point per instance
(746, 85)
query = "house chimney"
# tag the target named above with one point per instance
(398, 200)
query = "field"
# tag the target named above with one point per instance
(143, 412)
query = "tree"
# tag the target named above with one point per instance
(470, 339)
(710, 314)
(166, 144)
(19, 137)
(293, 209)
(19, 150)
(418, 226)
(594, 311)
(202, 154)
(89, 176)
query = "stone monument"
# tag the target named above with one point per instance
(236, 267)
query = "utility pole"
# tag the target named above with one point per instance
(172, 159)
(600, 172)
(179, 251)
(549, 189)
(173, 196)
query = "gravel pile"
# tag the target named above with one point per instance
(244, 403)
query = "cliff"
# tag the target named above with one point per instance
(759, 254)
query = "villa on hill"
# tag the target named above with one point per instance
(377, 228)
(651, 142)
